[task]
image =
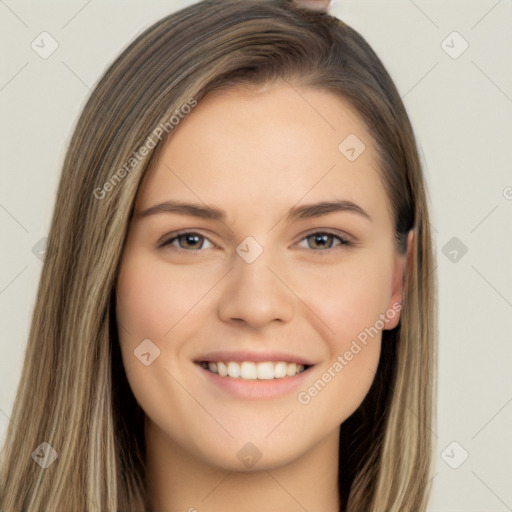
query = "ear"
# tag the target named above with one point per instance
(399, 270)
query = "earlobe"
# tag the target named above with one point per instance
(399, 274)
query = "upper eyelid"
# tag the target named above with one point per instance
(342, 236)
(166, 239)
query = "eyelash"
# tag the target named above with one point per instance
(343, 241)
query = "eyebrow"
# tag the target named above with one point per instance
(203, 211)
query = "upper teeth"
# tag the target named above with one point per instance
(251, 371)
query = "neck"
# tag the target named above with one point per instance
(179, 482)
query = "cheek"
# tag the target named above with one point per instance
(157, 304)
(150, 301)
(147, 307)
(350, 304)
(350, 299)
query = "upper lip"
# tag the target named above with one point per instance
(246, 355)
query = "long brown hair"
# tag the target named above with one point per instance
(73, 392)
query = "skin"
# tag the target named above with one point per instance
(255, 154)
(315, 5)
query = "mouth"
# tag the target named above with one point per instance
(253, 374)
(251, 370)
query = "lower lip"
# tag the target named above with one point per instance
(256, 389)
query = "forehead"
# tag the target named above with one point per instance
(268, 148)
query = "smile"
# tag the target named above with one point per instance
(249, 370)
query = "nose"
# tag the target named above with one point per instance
(255, 295)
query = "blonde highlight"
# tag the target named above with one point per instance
(73, 391)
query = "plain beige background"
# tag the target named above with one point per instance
(460, 103)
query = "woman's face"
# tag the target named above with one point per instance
(242, 267)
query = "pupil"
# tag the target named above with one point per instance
(321, 239)
(191, 239)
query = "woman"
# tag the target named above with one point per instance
(237, 305)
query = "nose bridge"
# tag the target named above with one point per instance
(253, 293)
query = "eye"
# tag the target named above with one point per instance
(192, 241)
(324, 241)
(189, 241)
